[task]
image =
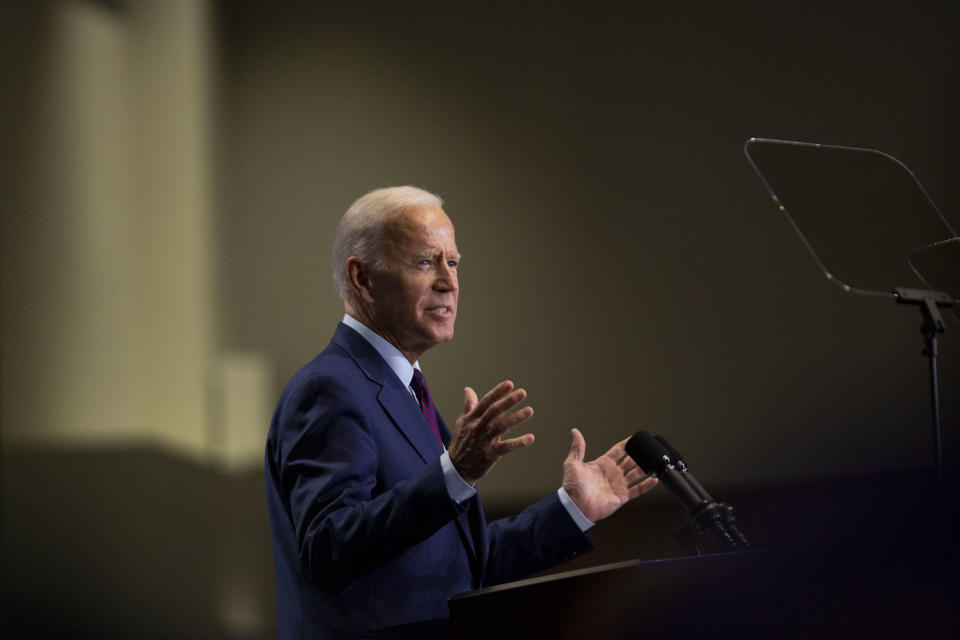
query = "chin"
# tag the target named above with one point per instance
(444, 336)
(438, 330)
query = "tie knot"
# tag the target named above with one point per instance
(420, 389)
(418, 383)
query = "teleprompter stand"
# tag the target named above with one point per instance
(933, 324)
(871, 228)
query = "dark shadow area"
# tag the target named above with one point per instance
(133, 544)
(142, 544)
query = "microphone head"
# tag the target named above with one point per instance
(675, 455)
(647, 452)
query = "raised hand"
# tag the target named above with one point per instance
(478, 438)
(602, 486)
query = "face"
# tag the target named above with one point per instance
(413, 302)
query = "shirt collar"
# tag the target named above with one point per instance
(397, 362)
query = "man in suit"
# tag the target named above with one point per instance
(373, 505)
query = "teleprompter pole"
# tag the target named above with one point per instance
(933, 324)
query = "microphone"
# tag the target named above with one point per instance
(729, 519)
(668, 465)
(681, 466)
(655, 460)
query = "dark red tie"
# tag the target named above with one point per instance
(419, 386)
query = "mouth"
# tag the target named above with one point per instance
(441, 311)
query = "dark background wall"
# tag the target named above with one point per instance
(621, 262)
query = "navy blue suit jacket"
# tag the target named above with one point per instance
(364, 533)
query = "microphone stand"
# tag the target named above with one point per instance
(932, 325)
(703, 512)
(717, 518)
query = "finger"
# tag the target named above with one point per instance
(578, 448)
(506, 446)
(627, 465)
(494, 395)
(618, 451)
(511, 420)
(469, 399)
(637, 477)
(642, 487)
(634, 475)
(503, 406)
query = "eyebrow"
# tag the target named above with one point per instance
(434, 254)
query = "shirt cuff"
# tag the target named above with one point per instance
(457, 488)
(581, 520)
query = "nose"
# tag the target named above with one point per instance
(446, 278)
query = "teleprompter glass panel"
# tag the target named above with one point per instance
(859, 212)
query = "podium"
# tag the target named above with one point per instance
(766, 593)
(631, 599)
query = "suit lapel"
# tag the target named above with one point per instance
(405, 413)
(394, 397)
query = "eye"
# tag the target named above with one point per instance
(453, 264)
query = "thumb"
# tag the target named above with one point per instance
(469, 400)
(578, 448)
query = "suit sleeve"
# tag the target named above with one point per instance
(540, 537)
(346, 522)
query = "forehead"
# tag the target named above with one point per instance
(421, 228)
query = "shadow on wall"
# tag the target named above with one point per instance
(133, 543)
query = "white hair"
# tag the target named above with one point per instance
(360, 232)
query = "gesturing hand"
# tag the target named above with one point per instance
(477, 443)
(602, 486)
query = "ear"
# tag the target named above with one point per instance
(359, 276)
